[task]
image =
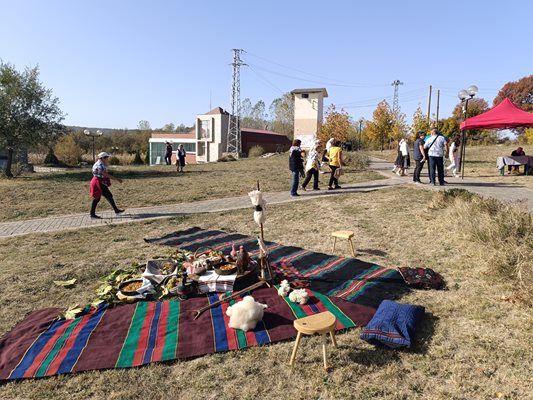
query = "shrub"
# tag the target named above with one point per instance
(256, 151)
(137, 160)
(356, 160)
(51, 157)
(114, 160)
(68, 151)
(227, 157)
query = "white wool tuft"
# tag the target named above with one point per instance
(256, 196)
(299, 296)
(284, 288)
(245, 314)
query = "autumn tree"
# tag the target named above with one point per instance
(420, 122)
(253, 116)
(519, 92)
(337, 124)
(379, 129)
(29, 114)
(476, 106)
(281, 112)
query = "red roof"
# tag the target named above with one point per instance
(505, 115)
(217, 110)
(261, 131)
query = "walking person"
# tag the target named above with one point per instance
(453, 155)
(437, 146)
(168, 153)
(180, 158)
(296, 165)
(335, 164)
(312, 166)
(100, 183)
(419, 155)
(402, 160)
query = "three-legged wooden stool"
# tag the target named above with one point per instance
(321, 323)
(348, 235)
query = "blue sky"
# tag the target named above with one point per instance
(115, 62)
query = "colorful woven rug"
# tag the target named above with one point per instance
(136, 334)
(347, 278)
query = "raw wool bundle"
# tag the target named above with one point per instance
(299, 296)
(256, 196)
(245, 314)
(284, 288)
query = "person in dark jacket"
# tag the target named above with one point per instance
(168, 153)
(419, 154)
(296, 165)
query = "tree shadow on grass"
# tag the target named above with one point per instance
(86, 175)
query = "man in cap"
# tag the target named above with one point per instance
(100, 185)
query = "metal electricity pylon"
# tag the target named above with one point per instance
(234, 130)
(395, 105)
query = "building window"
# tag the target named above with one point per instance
(205, 130)
(201, 149)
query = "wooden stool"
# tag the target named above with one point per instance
(321, 323)
(348, 235)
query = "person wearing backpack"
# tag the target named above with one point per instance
(437, 146)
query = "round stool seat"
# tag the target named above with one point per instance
(321, 323)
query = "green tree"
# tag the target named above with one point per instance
(67, 150)
(379, 129)
(168, 127)
(449, 127)
(144, 125)
(337, 124)
(29, 114)
(282, 115)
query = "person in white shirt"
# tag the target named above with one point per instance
(453, 155)
(437, 146)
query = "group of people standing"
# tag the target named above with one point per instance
(180, 156)
(433, 149)
(308, 166)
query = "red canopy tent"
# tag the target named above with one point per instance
(504, 116)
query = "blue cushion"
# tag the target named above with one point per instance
(393, 324)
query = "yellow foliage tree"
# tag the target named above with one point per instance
(528, 136)
(67, 150)
(338, 125)
(379, 129)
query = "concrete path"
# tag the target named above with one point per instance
(77, 221)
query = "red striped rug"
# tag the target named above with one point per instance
(136, 334)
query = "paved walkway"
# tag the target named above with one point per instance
(77, 221)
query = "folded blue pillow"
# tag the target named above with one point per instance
(393, 324)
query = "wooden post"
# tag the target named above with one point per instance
(429, 104)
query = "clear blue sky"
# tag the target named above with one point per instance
(115, 62)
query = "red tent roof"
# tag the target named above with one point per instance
(504, 116)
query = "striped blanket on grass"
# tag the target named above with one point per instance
(347, 278)
(136, 334)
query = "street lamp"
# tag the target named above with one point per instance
(361, 120)
(93, 134)
(465, 95)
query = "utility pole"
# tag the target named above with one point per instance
(429, 104)
(395, 105)
(234, 131)
(438, 102)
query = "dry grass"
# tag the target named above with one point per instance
(471, 345)
(46, 194)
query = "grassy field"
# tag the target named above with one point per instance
(475, 342)
(44, 194)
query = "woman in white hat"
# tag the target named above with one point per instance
(100, 184)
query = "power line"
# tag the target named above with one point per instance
(350, 84)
